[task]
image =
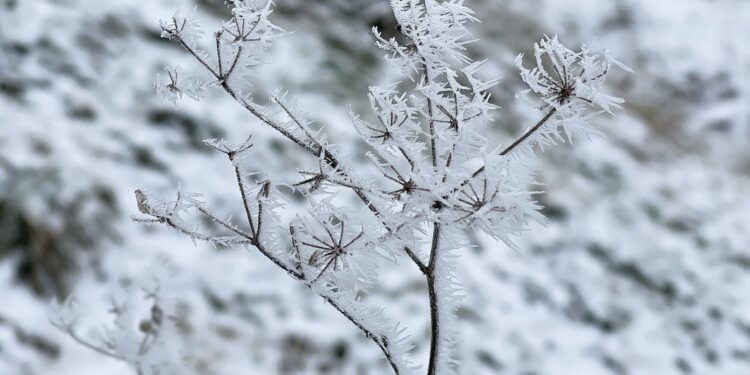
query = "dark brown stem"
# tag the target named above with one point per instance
(529, 132)
(295, 273)
(218, 54)
(234, 63)
(245, 201)
(430, 112)
(520, 140)
(414, 258)
(198, 57)
(433, 298)
(430, 269)
(380, 341)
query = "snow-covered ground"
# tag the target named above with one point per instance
(642, 269)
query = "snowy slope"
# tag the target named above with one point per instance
(643, 268)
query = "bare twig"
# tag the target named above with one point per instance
(518, 141)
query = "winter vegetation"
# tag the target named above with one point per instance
(608, 255)
(436, 176)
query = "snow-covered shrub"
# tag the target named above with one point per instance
(435, 175)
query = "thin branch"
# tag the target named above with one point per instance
(518, 141)
(296, 121)
(247, 239)
(245, 202)
(430, 112)
(234, 63)
(416, 260)
(196, 55)
(71, 332)
(327, 266)
(218, 54)
(225, 224)
(380, 341)
(528, 133)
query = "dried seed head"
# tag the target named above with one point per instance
(142, 201)
(145, 326)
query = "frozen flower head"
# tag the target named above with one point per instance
(566, 78)
(431, 33)
(177, 83)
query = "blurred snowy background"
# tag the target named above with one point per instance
(644, 267)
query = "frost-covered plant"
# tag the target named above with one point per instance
(437, 178)
(142, 332)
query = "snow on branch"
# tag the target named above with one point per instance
(437, 176)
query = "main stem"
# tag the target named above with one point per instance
(434, 311)
(434, 247)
